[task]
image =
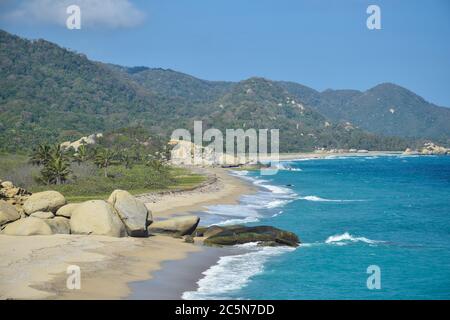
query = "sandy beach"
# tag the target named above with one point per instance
(35, 267)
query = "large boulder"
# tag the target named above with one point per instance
(42, 215)
(178, 226)
(8, 213)
(44, 201)
(265, 235)
(132, 211)
(66, 211)
(28, 227)
(96, 217)
(59, 225)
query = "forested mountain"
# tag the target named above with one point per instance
(51, 94)
(386, 109)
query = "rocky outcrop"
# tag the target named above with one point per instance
(133, 213)
(13, 195)
(44, 201)
(27, 227)
(59, 225)
(91, 139)
(96, 217)
(42, 215)
(178, 226)
(433, 149)
(66, 210)
(265, 235)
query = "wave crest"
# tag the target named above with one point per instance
(340, 239)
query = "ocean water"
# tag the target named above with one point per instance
(350, 213)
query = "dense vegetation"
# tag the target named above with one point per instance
(86, 180)
(50, 94)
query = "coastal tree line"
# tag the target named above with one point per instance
(55, 162)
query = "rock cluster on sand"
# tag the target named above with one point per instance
(47, 212)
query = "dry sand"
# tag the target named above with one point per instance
(226, 190)
(34, 267)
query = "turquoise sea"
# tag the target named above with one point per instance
(350, 213)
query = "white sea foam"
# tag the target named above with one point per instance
(277, 214)
(252, 208)
(285, 166)
(232, 273)
(342, 239)
(237, 221)
(319, 199)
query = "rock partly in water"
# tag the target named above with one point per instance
(264, 235)
(42, 215)
(44, 201)
(133, 212)
(66, 210)
(208, 231)
(178, 226)
(96, 217)
(8, 213)
(430, 148)
(59, 225)
(28, 227)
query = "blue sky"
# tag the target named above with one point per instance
(319, 43)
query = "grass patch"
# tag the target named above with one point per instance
(87, 182)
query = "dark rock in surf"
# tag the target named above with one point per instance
(264, 235)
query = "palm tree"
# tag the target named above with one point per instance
(81, 155)
(56, 169)
(41, 155)
(104, 158)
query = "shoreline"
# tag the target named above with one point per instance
(322, 155)
(227, 189)
(34, 267)
(177, 276)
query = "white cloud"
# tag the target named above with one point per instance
(94, 13)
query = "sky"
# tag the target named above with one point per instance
(319, 43)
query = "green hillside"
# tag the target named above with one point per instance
(51, 94)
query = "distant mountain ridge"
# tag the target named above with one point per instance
(53, 94)
(386, 109)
